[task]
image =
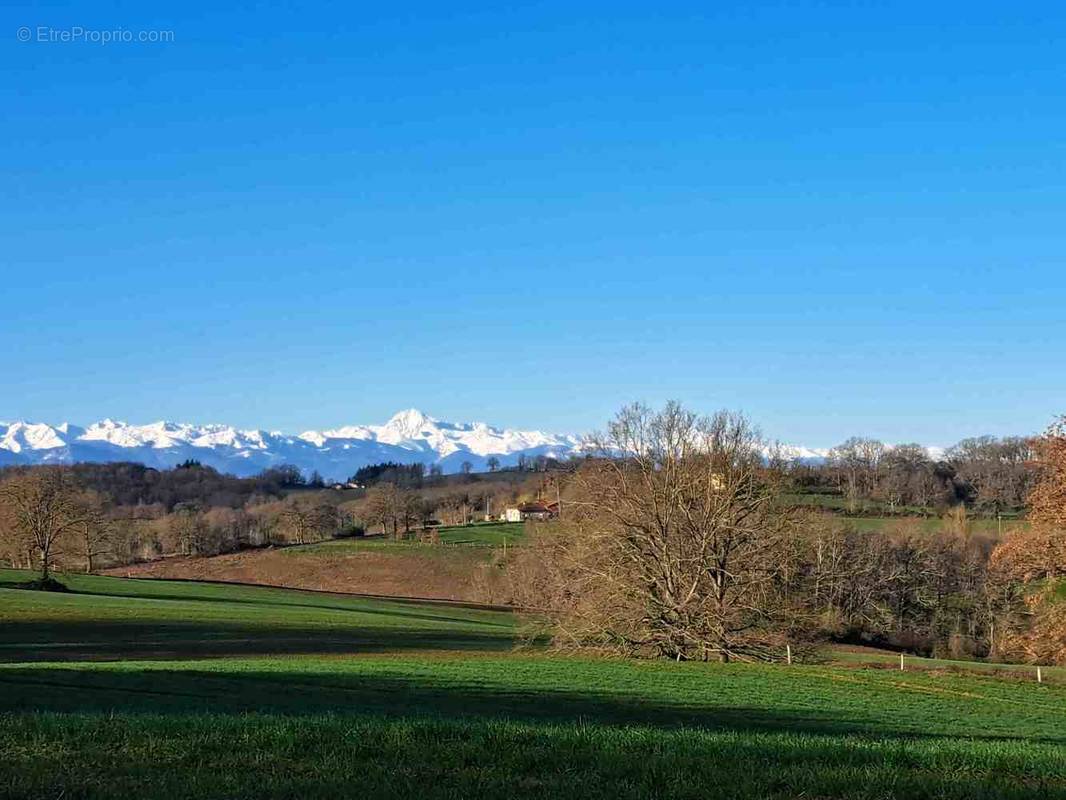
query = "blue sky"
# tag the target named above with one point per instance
(838, 218)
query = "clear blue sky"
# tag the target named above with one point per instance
(836, 217)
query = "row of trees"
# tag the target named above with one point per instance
(61, 516)
(417, 476)
(406, 476)
(987, 473)
(679, 545)
(49, 517)
(132, 485)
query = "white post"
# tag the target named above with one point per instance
(1039, 676)
(788, 653)
(901, 662)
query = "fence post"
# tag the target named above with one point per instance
(901, 662)
(788, 653)
(1039, 676)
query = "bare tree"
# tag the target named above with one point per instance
(383, 506)
(308, 522)
(493, 463)
(857, 460)
(906, 476)
(410, 509)
(675, 544)
(46, 509)
(94, 531)
(997, 472)
(187, 527)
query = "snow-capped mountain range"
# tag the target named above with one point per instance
(408, 437)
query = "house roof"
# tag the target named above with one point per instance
(534, 508)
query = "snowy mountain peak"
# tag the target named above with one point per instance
(410, 422)
(409, 436)
(20, 436)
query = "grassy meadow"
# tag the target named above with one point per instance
(170, 689)
(113, 618)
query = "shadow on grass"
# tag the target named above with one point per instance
(381, 693)
(311, 605)
(266, 756)
(82, 640)
(158, 691)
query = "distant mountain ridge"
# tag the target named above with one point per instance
(408, 437)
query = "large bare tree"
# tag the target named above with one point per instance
(674, 546)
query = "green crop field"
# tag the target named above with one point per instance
(119, 618)
(493, 534)
(167, 689)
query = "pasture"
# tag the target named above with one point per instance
(458, 567)
(170, 689)
(485, 534)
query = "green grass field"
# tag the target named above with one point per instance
(178, 690)
(119, 618)
(493, 534)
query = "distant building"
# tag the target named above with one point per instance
(535, 511)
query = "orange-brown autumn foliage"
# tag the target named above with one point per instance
(1035, 559)
(1032, 555)
(1043, 639)
(1039, 554)
(1047, 500)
